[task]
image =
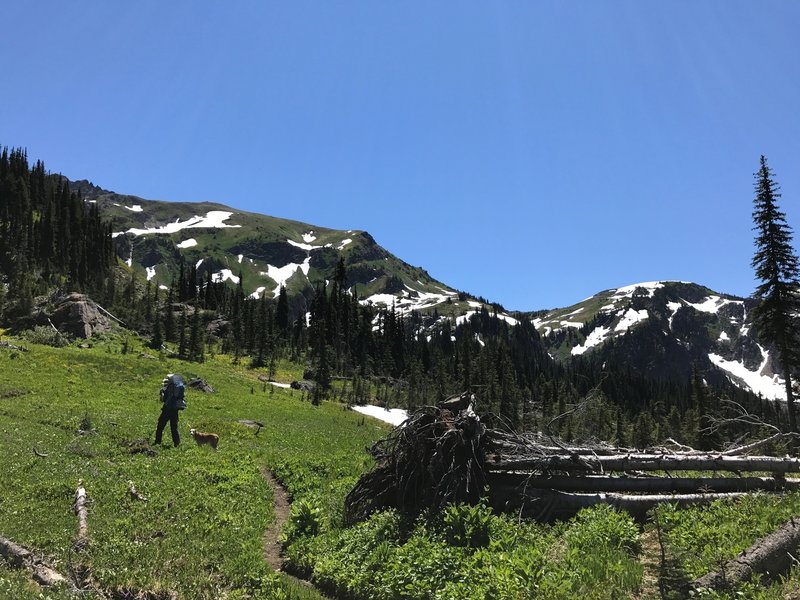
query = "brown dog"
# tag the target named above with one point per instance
(212, 439)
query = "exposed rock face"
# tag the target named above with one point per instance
(78, 315)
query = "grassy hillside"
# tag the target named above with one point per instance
(255, 246)
(200, 531)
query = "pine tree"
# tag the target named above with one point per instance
(282, 314)
(776, 266)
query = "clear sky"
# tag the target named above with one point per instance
(530, 152)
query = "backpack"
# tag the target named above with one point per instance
(174, 393)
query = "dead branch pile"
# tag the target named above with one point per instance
(447, 454)
(435, 458)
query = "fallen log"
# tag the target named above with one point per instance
(549, 505)
(644, 462)
(20, 557)
(11, 346)
(516, 482)
(16, 555)
(83, 518)
(134, 494)
(770, 556)
(449, 454)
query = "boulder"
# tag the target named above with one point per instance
(305, 385)
(199, 384)
(78, 315)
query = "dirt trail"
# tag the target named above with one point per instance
(651, 561)
(272, 544)
(282, 508)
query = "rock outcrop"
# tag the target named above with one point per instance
(79, 316)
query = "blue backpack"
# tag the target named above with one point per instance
(174, 392)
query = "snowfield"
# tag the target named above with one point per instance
(770, 387)
(281, 275)
(224, 275)
(630, 318)
(408, 300)
(214, 219)
(393, 416)
(595, 338)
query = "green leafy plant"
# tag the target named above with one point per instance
(467, 526)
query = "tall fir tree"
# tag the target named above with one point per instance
(776, 266)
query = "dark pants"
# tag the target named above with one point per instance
(171, 415)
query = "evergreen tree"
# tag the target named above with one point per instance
(282, 313)
(182, 334)
(196, 341)
(776, 266)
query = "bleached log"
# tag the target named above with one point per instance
(21, 558)
(771, 555)
(757, 444)
(653, 485)
(16, 555)
(132, 491)
(80, 510)
(645, 462)
(45, 576)
(546, 505)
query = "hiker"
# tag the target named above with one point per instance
(172, 398)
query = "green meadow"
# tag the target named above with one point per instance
(71, 415)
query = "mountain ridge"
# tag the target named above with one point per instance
(659, 328)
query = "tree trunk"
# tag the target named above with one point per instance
(80, 510)
(789, 398)
(548, 505)
(22, 558)
(645, 462)
(771, 556)
(519, 483)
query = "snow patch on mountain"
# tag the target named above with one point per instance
(135, 208)
(240, 257)
(393, 416)
(465, 317)
(309, 237)
(151, 272)
(344, 243)
(214, 219)
(630, 318)
(596, 337)
(508, 319)
(281, 275)
(190, 243)
(198, 263)
(224, 275)
(407, 300)
(259, 291)
(628, 290)
(306, 247)
(712, 304)
(770, 387)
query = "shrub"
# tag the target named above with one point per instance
(47, 336)
(467, 526)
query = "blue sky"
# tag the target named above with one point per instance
(530, 152)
